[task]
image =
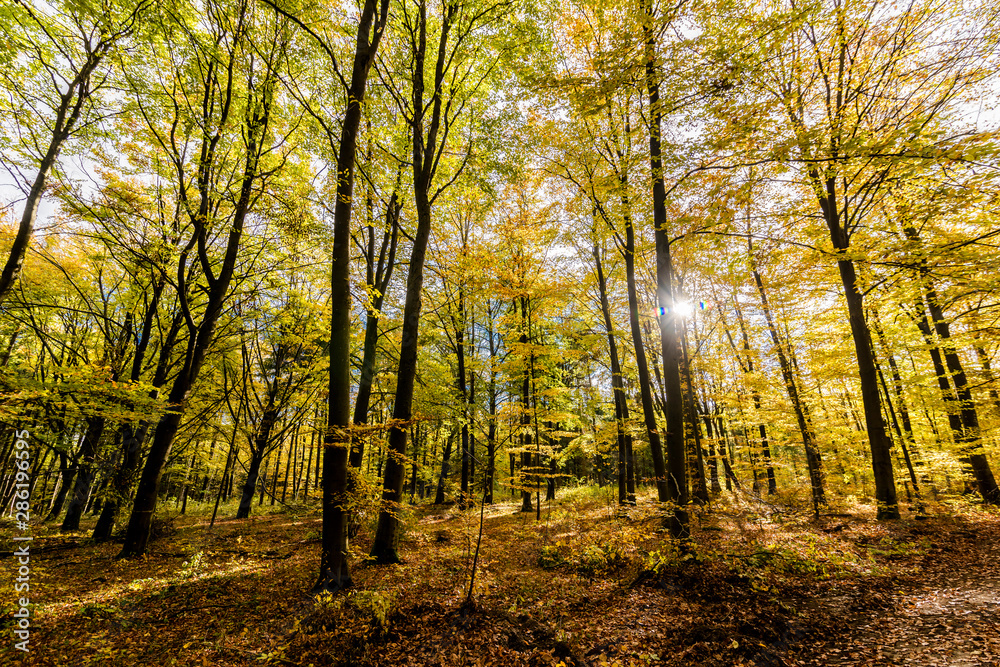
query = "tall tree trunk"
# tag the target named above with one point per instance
(277, 470)
(472, 415)
(959, 404)
(642, 366)
(676, 465)
(904, 439)
(187, 484)
(334, 573)
(724, 450)
(526, 458)
(133, 435)
(491, 428)
(464, 499)
(700, 487)
(65, 120)
(290, 464)
(425, 150)
(257, 451)
(617, 388)
(414, 468)
(307, 467)
(66, 474)
(445, 466)
(885, 487)
(378, 276)
(814, 461)
(907, 436)
(713, 460)
(85, 473)
(988, 376)
(384, 547)
(746, 364)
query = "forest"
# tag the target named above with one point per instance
(500, 332)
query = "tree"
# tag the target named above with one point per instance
(56, 79)
(433, 113)
(226, 89)
(677, 486)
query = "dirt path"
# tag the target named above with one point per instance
(947, 612)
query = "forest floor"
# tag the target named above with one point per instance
(762, 584)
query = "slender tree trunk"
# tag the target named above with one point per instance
(906, 436)
(230, 458)
(464, 498)
(491, 431)
(67, 473)
(85, 474)
(472, 422)
(988, 376)
(962, 415)
(713, 460)
(445, 469)
(425, 149)
(384, 546)
(700, 487)
(64, 123)
(413, 467)
(131, 435)
(187, 485)
(290, 465)
(13, 339)
(617, 388)
(199, 336)
(972, 434)
(814, 461)
(526, 458)
(334, 573)
(274, 477)
(423, 466)
(257, 450)
(676, 465)
(379, 275)
(904, 439)
(642, 366)
(885, 488)
(308, 465)
(731, 479)
(748, 369)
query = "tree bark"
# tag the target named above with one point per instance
(642, 366)
(746, 365)
(814, 460)
(85, 473)
(885, 487)
(257, 450)
(617, 388)
(676, 465)
(445, 467)
(425, 151)
(700, 486)
(66, 474)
